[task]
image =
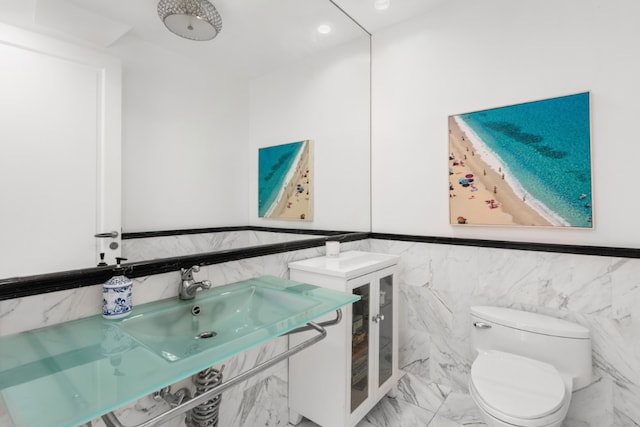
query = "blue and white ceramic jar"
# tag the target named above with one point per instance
(117, 300)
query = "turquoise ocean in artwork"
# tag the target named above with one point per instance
(274, 165)
(544, 149)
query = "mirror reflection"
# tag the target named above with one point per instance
(119, 124)
(149, 248)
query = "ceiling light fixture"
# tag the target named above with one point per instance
(324, 29)
(381, 4)
(191, 19)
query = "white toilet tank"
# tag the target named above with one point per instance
(563, 344)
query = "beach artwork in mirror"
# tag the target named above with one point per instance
(285, 181)
(522, 165)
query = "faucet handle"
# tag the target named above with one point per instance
(187, 273)
(206, 284)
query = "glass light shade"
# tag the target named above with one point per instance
(191, 19)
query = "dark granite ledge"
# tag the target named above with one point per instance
(17, 287)
(607, 251)
(145, 234)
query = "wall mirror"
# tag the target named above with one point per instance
(188, 115)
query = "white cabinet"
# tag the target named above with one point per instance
(337, 381)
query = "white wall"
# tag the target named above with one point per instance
(191, 136)
(185, 141)
(325, 99)
(468, 56)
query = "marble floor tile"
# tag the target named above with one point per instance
(458, 409)
(418, 392)
(405, 410)
(390, 412)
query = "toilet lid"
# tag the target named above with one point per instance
(517, 386)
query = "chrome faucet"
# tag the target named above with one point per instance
(188, 285)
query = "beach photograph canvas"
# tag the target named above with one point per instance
(285, 181)
(527, 164)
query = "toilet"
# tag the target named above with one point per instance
(527, 366)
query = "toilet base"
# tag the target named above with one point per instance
(494, 422)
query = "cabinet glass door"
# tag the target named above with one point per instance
(385, 322)
(360, 341)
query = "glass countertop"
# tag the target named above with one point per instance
(73, 372)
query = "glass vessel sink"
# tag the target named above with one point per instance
(177, 329)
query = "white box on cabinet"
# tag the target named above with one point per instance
(337, 381)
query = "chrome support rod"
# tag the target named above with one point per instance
(335, 321)
(111, 420)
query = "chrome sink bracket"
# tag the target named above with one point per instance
(335, 321)
(173, 399)
(111, 420)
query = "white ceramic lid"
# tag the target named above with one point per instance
(517, 386)
(528, 321)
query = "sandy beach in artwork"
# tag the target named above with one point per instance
(489, 199)
(295, 200)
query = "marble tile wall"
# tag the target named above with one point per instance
(261, 400)
(440, 282)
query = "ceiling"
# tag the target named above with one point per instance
(256, 35)
(373, 20)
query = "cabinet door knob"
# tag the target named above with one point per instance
(378, 318)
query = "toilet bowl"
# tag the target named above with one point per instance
(512, 390)
(527, 366)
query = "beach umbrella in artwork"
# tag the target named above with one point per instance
(469, 175)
